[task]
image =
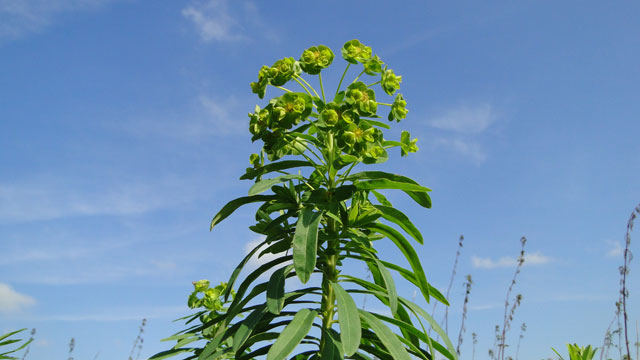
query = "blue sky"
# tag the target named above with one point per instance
(123, 129)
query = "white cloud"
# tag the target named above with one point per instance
(21, 17)
(213, 21)
(12, 301)
(255, 260)
(221, 117)
(462, 127)
(53, 198)
(466, 148)
(615, 249)
(536, 258)
(466, 119)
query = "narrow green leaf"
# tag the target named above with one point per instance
(388, 338)
(292, 335)
(388, 184)
(247, 326)
(275, 290)
(409, 253)
(390, 285)
(377, 123)
(11, 333)
(350, 330)
(332, 348)
(434, 325)
(421, 197)
(381, 198)
(232, 205)
(169, 353)
(402, 220)
(275, 166)
(266, 184)
(305, 243)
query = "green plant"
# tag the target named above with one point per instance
(578, 353)
(318, 215)
(5, 340)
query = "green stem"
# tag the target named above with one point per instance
(346, 174)
(358, 77)
(385, 104)
(321, 87)
(304, 87)
(309, 85)
(309, 149)
(282, 88)
(375, 83)
(342, 78)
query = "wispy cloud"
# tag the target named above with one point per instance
(536, 258)
(465, 119)
(12, 301)
(467, 148)
(461, 128)
(53, 198)
(213, 21)
(22, 17)
(224, 21)
(615, 249)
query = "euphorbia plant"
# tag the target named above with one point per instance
(315, 213)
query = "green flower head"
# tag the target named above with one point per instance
(398, 109)
(316, 58)
(373, 66)
(353, 51)
(260, 87)
(259, 120)
(330, 114)
(408, 145)
(358, 135)
(201, 285)
(390, 82)
(282, 71)
(362, 98)
(291, 108)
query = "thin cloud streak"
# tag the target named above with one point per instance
(213, 21)
(22, 17)
(536, 258)
(466, 119)
(48, 199)
(469, 149)
(460, 128)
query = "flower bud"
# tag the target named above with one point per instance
(390, 82)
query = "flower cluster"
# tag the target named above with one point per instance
(349, 119)
(316, 58)
(390, 82)
(277, 75)
(354, 52)
(210, 296)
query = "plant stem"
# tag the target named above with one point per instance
(329, 270)
(309, 85)
(625, 270)
(282, 88)
(375, 83)
(301, 84)
(358, 77)
(385, 104)
(321, 87)
(342, 78)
